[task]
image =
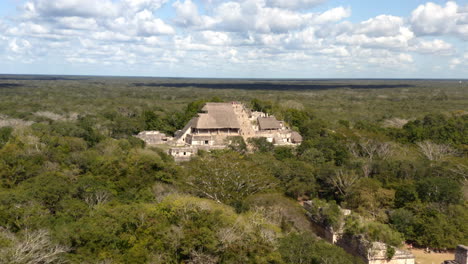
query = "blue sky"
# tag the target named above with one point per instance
(236, 38)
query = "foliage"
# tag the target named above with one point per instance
(440, 190)
(367, 197)
(304, 248)
(227, 178)
(438, 128)
(261, 144)
(237, 143)
(280, 210)
(327, 149)
(5, 133)
(372, 230)
(179, 229)
(284, 153)
(425, 225)
(31, 247)
(390, 252)
(297, 178)
(70, 168)
(261, 106)
(405, 194)
(328, 214)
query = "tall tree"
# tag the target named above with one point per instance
(227, 178)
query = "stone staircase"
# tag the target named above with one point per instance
(246, 128)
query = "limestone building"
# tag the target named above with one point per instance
(461, 256)
(370, 252)
(211, 127)
(217, 122)
(154, 137)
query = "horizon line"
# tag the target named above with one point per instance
(231, 78)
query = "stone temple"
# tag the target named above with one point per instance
(217, 124)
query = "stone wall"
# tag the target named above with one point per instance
(182, 154)
(373, 252)
(461, 254)
(357, 245)
(154, 137)
(325, 233)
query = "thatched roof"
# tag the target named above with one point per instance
(190, 124)
(266, 123)
(215, 106)
(296, 137)
(217, 116)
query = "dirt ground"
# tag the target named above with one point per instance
(431, 258)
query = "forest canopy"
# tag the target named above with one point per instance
(76, 185)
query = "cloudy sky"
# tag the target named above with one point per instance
(236, 38)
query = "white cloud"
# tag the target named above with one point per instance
(270, 40)
(254, 15)
(462, 31)
(275, 34)
(381, 26)
(399, 41)
(81, 60)
(149, 25)
(459, 62)
(19, 46)
(152, 41)
(232, 17)
(28, 28)
(294, 4)
(392, 60)
(36, 28)
(65, 8)
(454, 63)
(155, 27)
(405, 57)
(216, 38)
(120, 24)
(187, 13)
(279, 20)
(304, 39)
(433, 19)
(133, 6)
(188, 43)
(339, 51)
(436, 46)
(75, 22)
(333, 15)
(3, 27)
(111, 36)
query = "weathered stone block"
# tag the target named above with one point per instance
(461, 254)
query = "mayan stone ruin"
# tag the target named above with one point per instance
(217, 124)
(357, 245)
(461, 256)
